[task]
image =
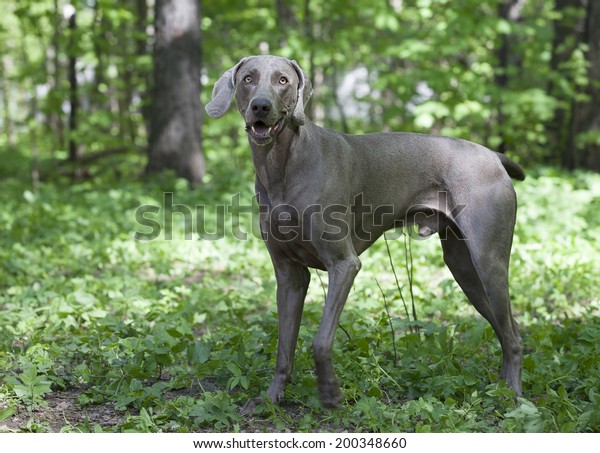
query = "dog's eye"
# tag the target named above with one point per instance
(283, 80)
(248, 79)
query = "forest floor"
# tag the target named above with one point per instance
(101, 332)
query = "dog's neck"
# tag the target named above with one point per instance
(271, 161)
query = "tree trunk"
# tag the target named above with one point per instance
(569, 28)
(509, 10)
(55, 117)
(286, 22)
(583, 148)
(74, 150)
(308, 25)
(141, 49)
(175, 122)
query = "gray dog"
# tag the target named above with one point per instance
(325, 197)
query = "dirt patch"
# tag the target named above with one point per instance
(62, 410)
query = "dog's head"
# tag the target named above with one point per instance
(271, 93)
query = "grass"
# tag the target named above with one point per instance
(100, 332)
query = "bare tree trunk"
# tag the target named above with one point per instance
(98, 28)
(35, 149)
(73, 92)
(309, 36)
(286, 21)
(124, 95)
(55, 117)
(569, 29)
(141, 48)
(583, 148)
(175, 123)
(509, 10)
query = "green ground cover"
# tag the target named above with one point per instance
(102, 332)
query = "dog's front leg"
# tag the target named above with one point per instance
(292, 284)
(341, 277)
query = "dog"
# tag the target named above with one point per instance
(326, 196)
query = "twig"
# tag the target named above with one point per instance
(397, 282)
(387, 310)
(409, 273)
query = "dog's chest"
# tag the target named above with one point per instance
(289, 228)
(285, 222)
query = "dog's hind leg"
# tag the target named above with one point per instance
(484, 279)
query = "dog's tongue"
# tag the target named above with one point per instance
(261, 129)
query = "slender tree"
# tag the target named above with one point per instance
(175, 117)
(510, 11)
(74, 150)
(583, 147)
(55, 117)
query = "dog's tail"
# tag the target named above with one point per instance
(512, 168)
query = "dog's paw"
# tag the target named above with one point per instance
(275, 392)
(331, 395)
(250, 407)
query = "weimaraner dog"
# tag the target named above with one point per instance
(325, 197)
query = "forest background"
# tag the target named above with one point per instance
(102, 113)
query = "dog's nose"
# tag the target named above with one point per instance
(260, 106)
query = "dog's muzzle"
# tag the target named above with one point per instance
(262, 133)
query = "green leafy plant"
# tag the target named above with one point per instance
(175, 336)
(30, 386)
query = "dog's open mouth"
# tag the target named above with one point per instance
(261, 133)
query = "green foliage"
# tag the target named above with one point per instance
(448, 49)
(430, 66)
(29, 386)
(113, 68)
(177, 335)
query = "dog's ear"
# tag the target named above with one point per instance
(222, 93)
(305, 91)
